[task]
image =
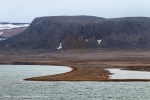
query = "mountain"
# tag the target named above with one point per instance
(70, 32)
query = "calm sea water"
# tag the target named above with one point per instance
(128, 74)
(13, 88)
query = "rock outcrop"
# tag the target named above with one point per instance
(128, 33)
(83, 32)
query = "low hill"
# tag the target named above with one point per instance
(11, 29)
(70, 32)
(11, 32)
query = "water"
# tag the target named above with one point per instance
(11, 88)
(18, 72)
(127, 74)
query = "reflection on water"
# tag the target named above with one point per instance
(127, 74)
(13, 89)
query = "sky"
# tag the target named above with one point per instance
(27, 10)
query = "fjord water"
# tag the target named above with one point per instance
(128, 74)
(12, 88)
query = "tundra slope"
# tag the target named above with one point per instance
(76, 32)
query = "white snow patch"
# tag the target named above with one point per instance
(86, 40)
(10, 26)
(99, 41)
(2, 39)
(1, 33)
(60, 46)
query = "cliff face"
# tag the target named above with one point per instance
(128, 33)
(82, 32)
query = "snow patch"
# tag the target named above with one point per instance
(60, 46)
(1, 33)
(1, 39)
(99, 41)
(86, 40)
(10, 26)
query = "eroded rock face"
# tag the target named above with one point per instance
(129, 33)
(82, 32)
(69, 43)
(81, 43)
(92, 42)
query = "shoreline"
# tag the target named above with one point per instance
(41, 78)
(76, 74)
(86, 66)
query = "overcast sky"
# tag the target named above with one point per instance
(27, 10)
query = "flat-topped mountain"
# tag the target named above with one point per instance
(71, 19)
(71, 32)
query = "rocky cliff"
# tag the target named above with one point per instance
(72, 32)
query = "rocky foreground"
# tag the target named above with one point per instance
(82, 32)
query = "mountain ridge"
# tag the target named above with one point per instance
(83, 32)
